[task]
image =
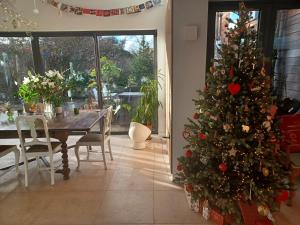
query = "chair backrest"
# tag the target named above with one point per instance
(33, 122)
(107, 121)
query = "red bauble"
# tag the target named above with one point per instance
(234, 88)
(205, 89)
(202, 136)
(189, 188)
(179, 167)
(231, 72)
(196, 116)
(273, 139)
(223, 167)
(188, 153)
(282, 197)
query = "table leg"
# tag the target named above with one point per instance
(63, 137)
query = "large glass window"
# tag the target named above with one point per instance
(75, 58)
(287, 54)
(225, 21)
(15, 61)
(126, 62)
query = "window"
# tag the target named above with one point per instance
(15, 60)
(226, 20)
(120, 60)
(126, 61)
(286, 61)
(75, 57)
(278, 23)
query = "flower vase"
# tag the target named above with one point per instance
(48, 111)
(48, 108)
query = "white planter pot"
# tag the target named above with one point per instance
(138, 134)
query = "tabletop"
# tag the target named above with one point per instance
(84, 121)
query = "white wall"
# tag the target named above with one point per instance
(49, 20)
(188, 72)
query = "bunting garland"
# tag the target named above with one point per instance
(62, 7)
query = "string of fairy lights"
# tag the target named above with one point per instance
(12, 18)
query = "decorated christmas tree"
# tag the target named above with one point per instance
(233, 153)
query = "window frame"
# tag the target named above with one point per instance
(37, 58)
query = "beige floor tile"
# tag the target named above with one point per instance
(70, 208)
(21, 208)
(126, 207)
(171, 207)
(132, 179)
(164, 182)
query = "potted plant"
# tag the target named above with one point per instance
(141, 125)
(56, 101)
(29, 95)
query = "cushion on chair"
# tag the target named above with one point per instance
(42, 148)
(91, 137)
(3, 148)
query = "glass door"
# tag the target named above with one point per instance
(286, 63)
(126, 61)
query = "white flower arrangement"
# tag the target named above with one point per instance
(47, 85)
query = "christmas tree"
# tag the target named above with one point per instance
(233, 153)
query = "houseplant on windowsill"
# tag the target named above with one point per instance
(28, 94)
(141, 125)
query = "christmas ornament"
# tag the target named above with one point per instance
(232, 152)
(273, 139)
(263, 210)
(231, 72)
(202, 136)
(204, 160)
(196, 116)
(188, 153)
(226, 127)
(189, 188)
(245, 128)
(282, 197)
(179, 167)
(206, 211)
(265, 171)
(273, 110)
(256, 89)
(223, 167)
(35, 10)
(214, 118)
(267, 125)
(234, 88)
(263, 71)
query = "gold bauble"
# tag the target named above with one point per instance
(265, 172)
(263, 210)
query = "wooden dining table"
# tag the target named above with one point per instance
(59, 127)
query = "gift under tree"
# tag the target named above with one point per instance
(233, 153)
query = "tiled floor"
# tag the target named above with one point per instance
(136, 189)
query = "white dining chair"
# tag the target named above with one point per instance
(6, 149)
(97, 139)
(34, 146)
